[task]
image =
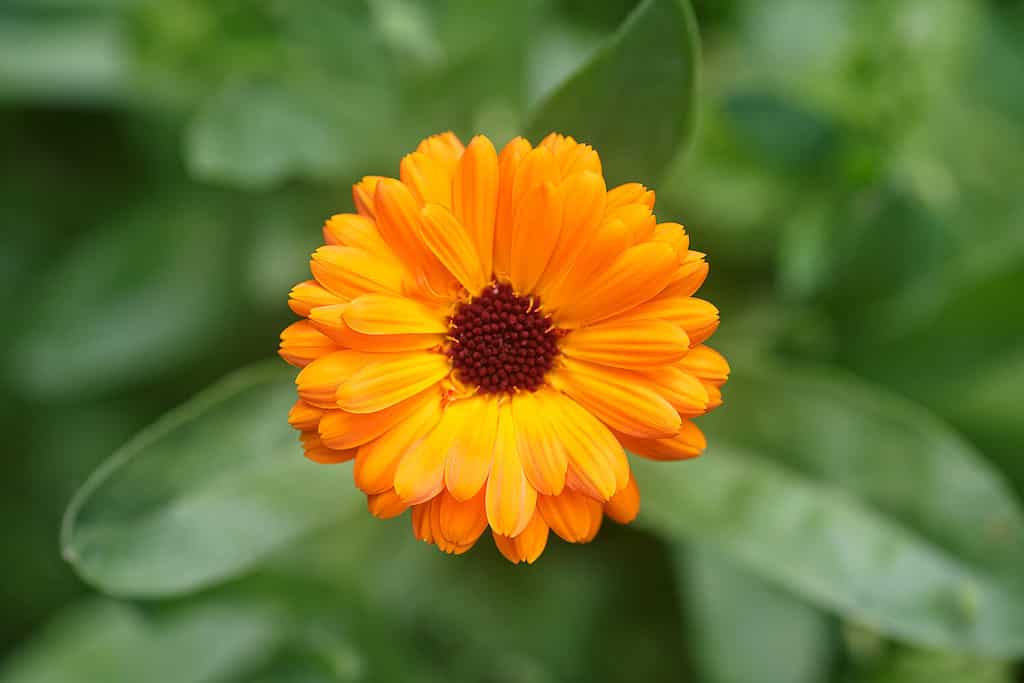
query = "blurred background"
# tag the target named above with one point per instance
(855, 176)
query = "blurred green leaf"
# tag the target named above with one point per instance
(254, 135)
(102, 641)
(857, 501)
(872, 661)
(140, 295)
(634, 100)
(746, 630)
(203, 494)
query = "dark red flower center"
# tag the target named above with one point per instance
(502, 342)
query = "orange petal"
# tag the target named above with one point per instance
(688, 443)
(637, 217)
(330, 320)
(624, 505)
(454, 247)
(714, 396)
(304, 417)
(475, 198)
(462, 522)
(316, 451)
(429, 180)
(674, 234)
(685, 392)
(630, 193)
(573, 516)
(445, 147)
(637, 275)
(704, 363)
(378, 314)
(342, 429)
(689, 276)
(398, 220)
(363, 193)
(510, 500)
(386, 379)
(469, 461)
(353, 230)
(633, 344)
(376, 462)
(677, 310)
(385, 505)
(597, 463)
(302, 343)
(616, 398)
(583, 196)
(349, 272)
(535, 229)
(420, 474)
(542, 455)
(527, 546)
(571, 156)
(318, 382)
(307, 295)
(595, 254)
(508, 163)
(699, 319)
(422, 528)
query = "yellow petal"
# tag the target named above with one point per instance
(624, 505)
(386, 379)
(509, 498)
(633, 344)
(630, 193)
(316, 451)
(302, 343)
(376, 462)
(341, 429)
(454, 248)
(378, 314)
(462, 522)
(349, 272)
(421, 472)
(535, 229)
(398, 220)
(508, 163)
(637, 275)
(688, 443)
(542, 455)
(597, 463)
(616, 398)
(363, 193)
(583, 196)
(475, 198)
(330, 320)
(385, 505)
(685, 392)
(527, 546)
(304, 417)
(429, 180)
(574, 517)
(707, 364)
(469, 461)
(445, 147)
(307, 295)
(318, 382)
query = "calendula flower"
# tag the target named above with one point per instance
(489, 332)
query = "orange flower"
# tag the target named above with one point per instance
(488, 333)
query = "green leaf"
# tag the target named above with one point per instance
(204, 494)
(634, 100)
(874, 661)
(102, 641)
(746, 630)
(857, 501)
(254, 135)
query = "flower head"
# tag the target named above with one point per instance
(488, 333)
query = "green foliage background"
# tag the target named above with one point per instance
(853, 169)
